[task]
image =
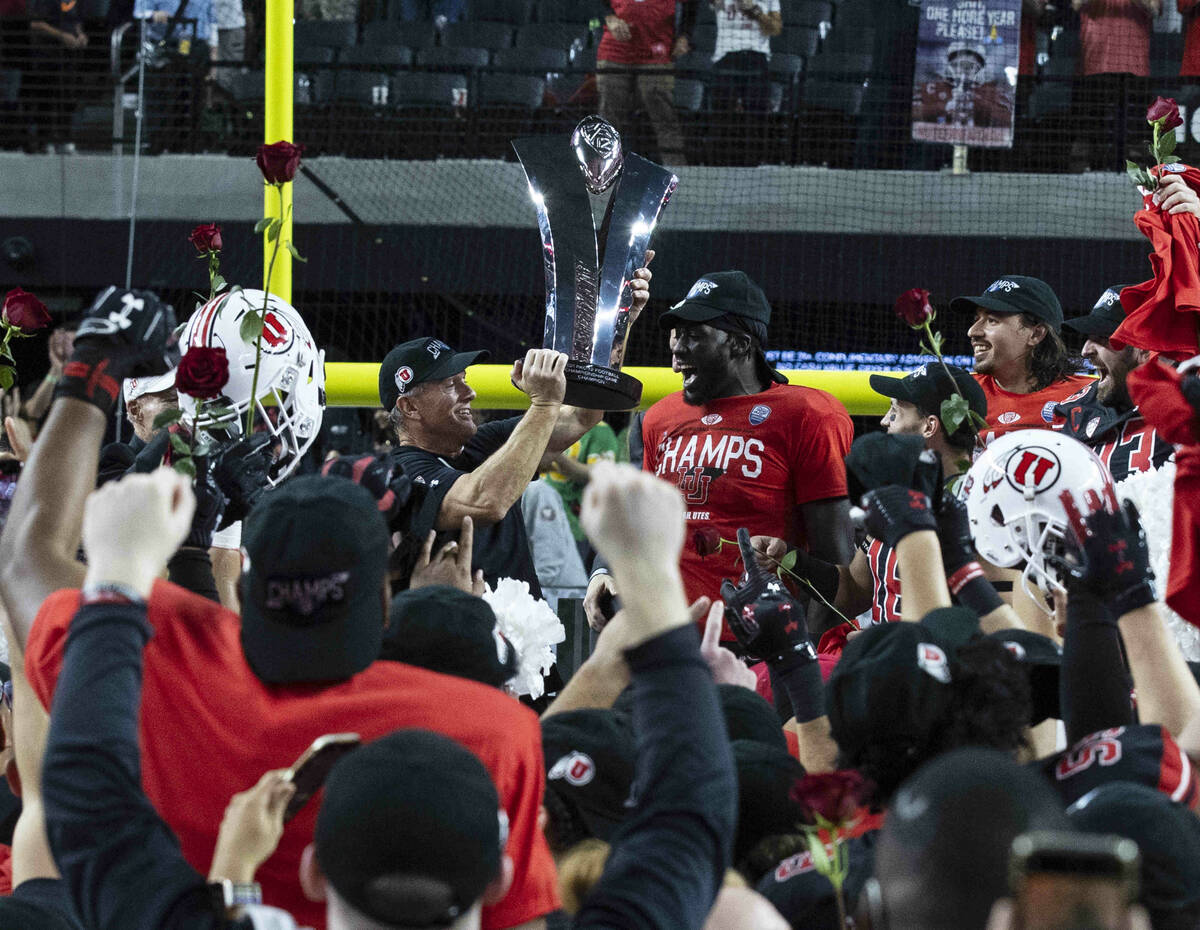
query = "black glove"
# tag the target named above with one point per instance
(210, 504)
(241, 470)
(895, 511)
(767, 621)
(964, 574)
(124, 334)
(880, 459)
(1107, 552)
(383, 477)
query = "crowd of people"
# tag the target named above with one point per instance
(1101, 53)
(926, 677)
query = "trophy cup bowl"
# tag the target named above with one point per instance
(588, 293)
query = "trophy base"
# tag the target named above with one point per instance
(595, 387)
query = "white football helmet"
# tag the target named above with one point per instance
(1012, 495)
(290, 400)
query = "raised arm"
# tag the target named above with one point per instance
(487, 493)
(667, 867)
(124, 333)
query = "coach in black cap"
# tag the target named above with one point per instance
(1104, 416)
(1020, 359)
(469, 472)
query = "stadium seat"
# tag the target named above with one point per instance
(369, 88)
(704, 38)
(478, 35)
(516, 12)
(811, 13)
(797, 40)
(423, 89)
(534, 60)
(453, 59)
(411, 35)
(511, 90)
(854, 13)
(392, 56)
(313, 54)
(551, 35)
(845, 65)
(853, 38)
(785, 67)
(689, 95)
(331, 32)
(844, 97)
(567, 11)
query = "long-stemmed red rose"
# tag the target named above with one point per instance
(21, 315)
(829, 805)
(278, 163)
(207, 240)
(1163, 117)
(202, 373)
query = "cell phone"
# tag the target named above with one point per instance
(1061, 879)
(309, 772)
(608, 604)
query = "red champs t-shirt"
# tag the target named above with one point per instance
(746, 461)
(1007, 411)
(210, 728)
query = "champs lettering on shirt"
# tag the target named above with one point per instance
(746, 461)
(1007, 411)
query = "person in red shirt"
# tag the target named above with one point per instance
(1020, 359)
(215, 725)
(633, 64)
(744, 447)
(1190, 66)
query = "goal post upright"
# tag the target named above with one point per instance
(278, 125)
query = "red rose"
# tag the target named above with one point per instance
(24, 311)
(1167, 110)
(706, 542)
(278, 161)
(834, 797)
(202, 372)
(206, 238)
(913, 307)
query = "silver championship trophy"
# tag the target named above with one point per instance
(588, 297)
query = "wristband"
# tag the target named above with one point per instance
(229, 895)
(109, 593)
(977, 594)
(599, 570)
(1140, 595)
(959, 579)
(93, 383)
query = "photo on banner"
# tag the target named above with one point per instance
(965, 78)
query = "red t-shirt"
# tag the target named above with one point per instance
(746, 461)
(1007, 411)
(1191, 37)
(210, 728)
(652, 24)
(1114, 38)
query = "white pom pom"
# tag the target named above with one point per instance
(531, 627)
(1153, 492)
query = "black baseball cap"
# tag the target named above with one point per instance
(765, 777)
(749, 717)
(590, 756)
(727, 300)
(930, 384)
(1104, 317)
(420, 360)
(1167, 834)
(447, 630)
(314, 559)
(1016, 293)
(891, 686)
(1041, 658)
(411, 805)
